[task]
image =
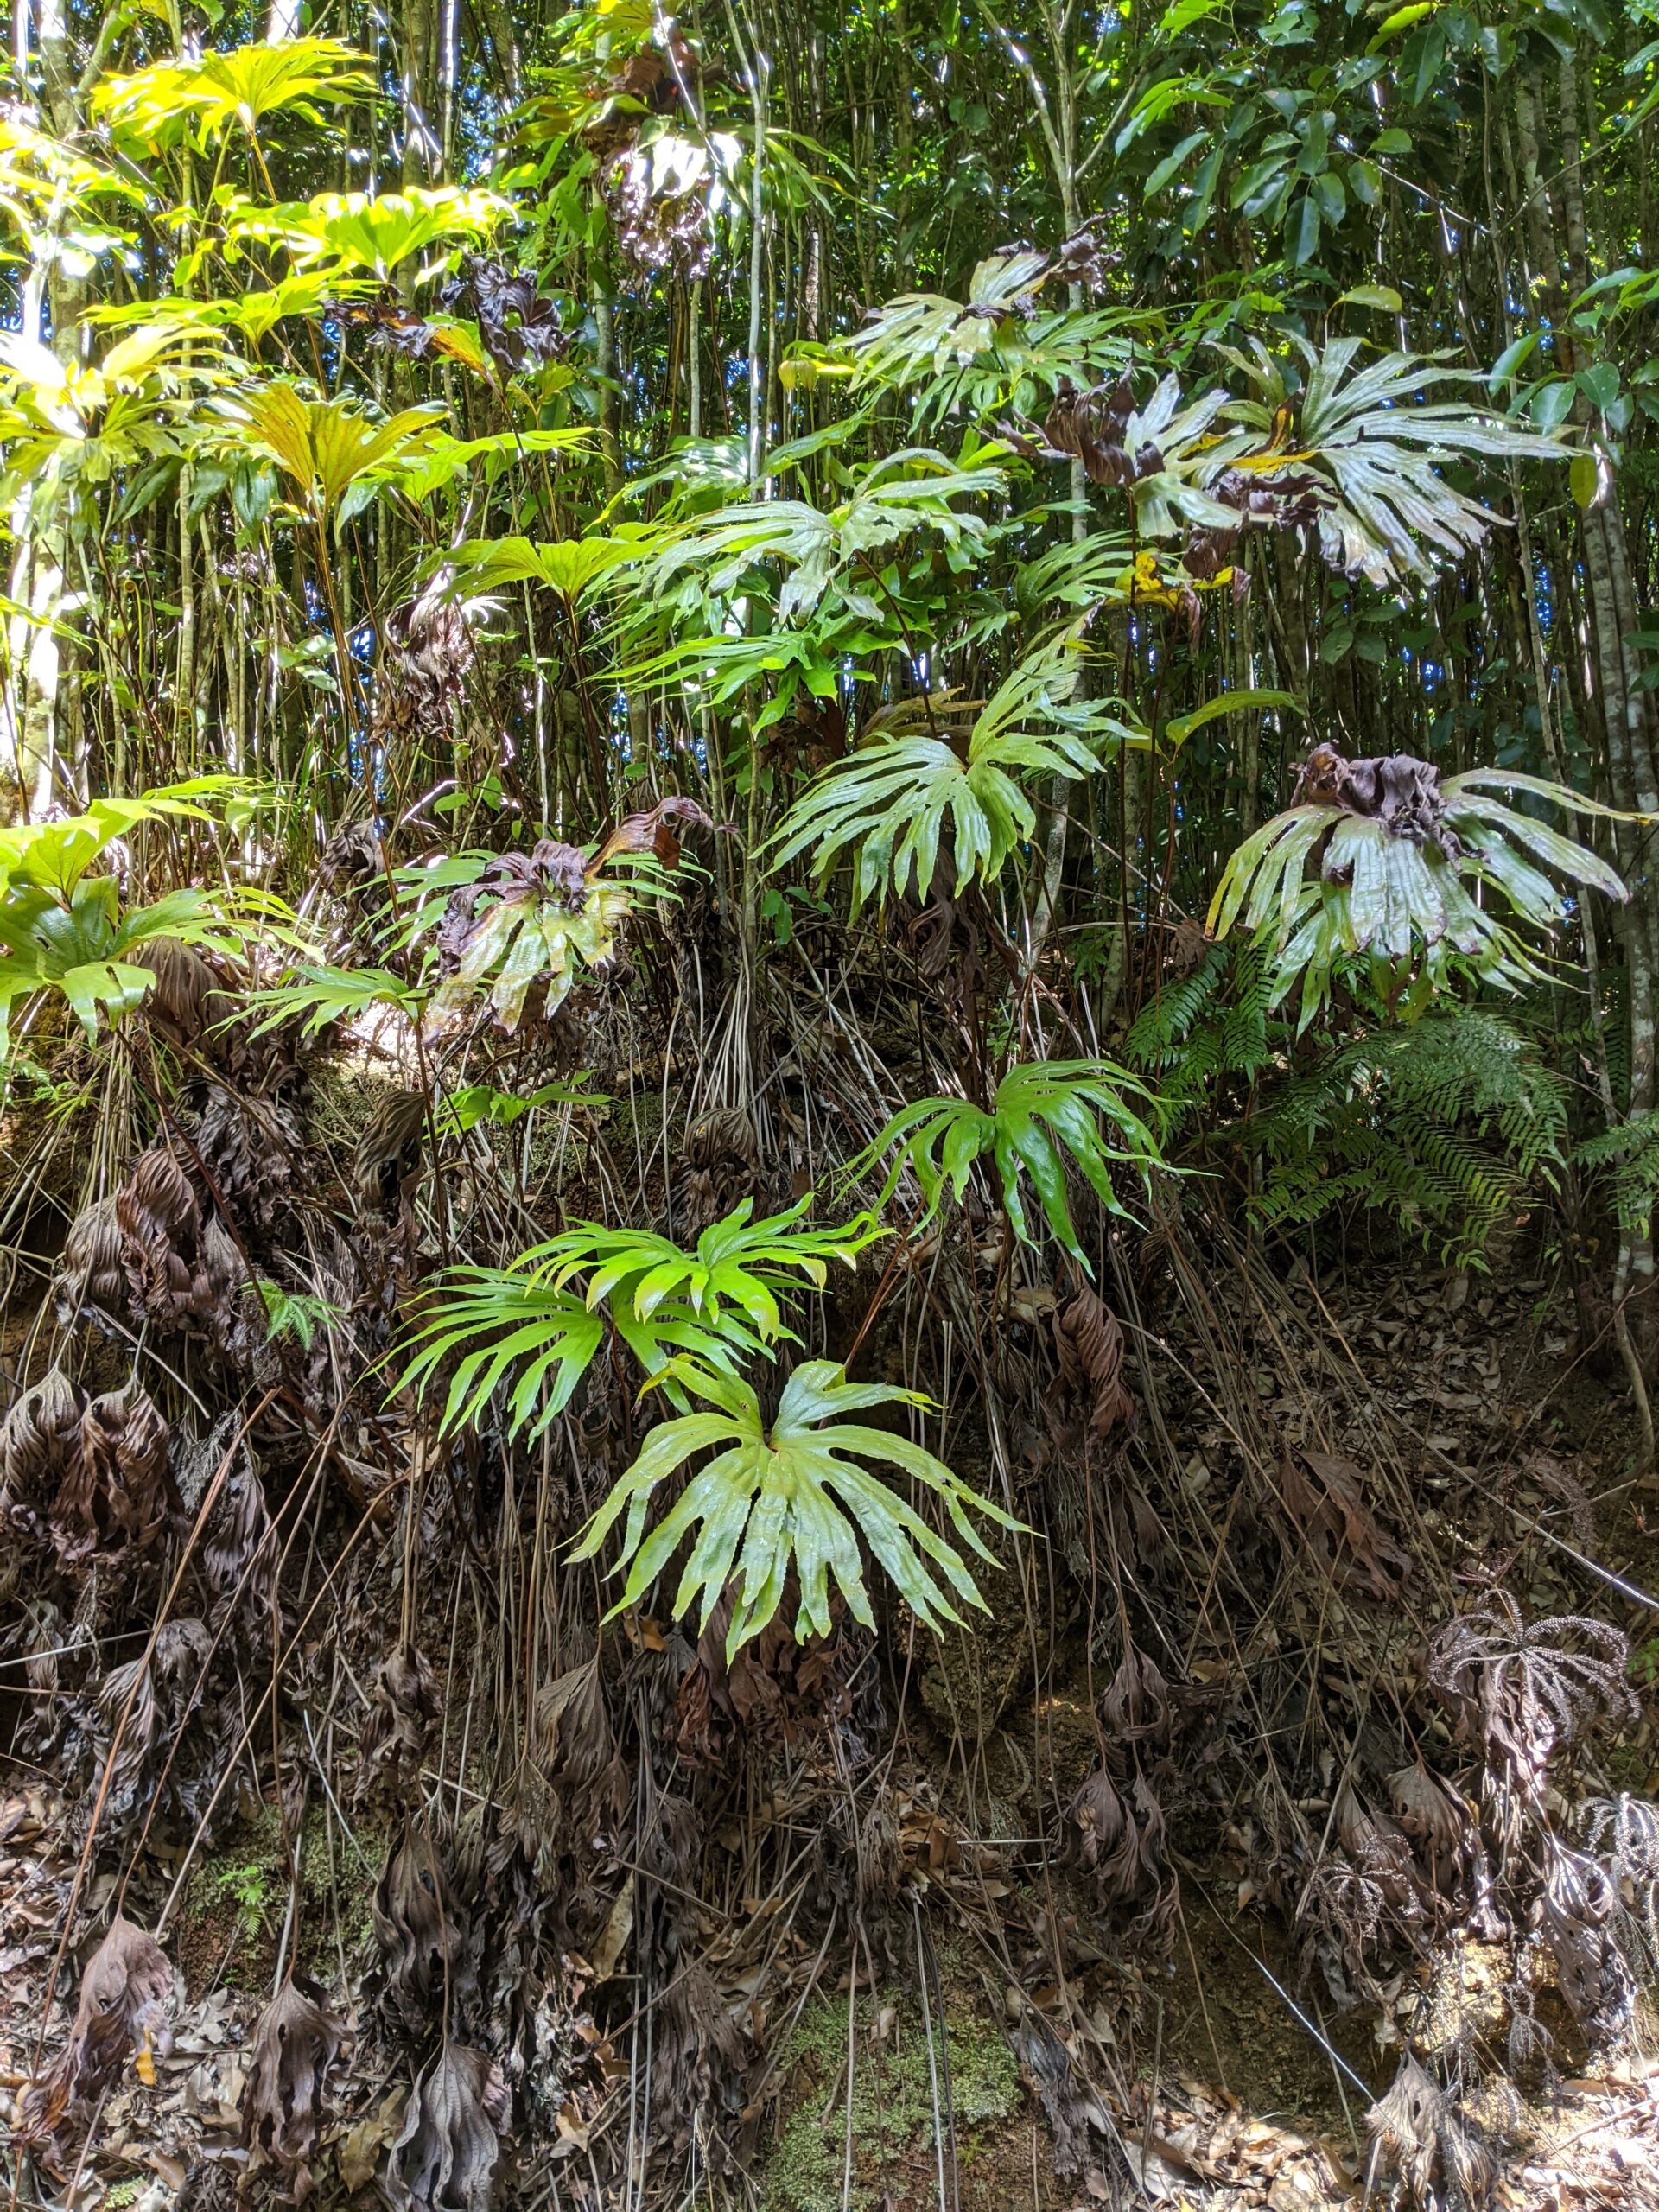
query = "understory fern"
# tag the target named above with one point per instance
(1631, 1152)
(1445, 1125)
(1209, 1025)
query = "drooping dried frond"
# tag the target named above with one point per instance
(1135, 1704)
(249, 1146)
(118, 1494)
(294, 2044)
(1420, 2140)
(40, 1441)
(123, 2010)
(1336, 1527)
(1438, 1822)
(187, 999)
(719, 1166)
(444, 2159)
(240, 1554)
(1579, 1911)
(407, 1702)
(427, 653)
(386, 1164)
(698, 2076)
(1622, 1833)
(1088, 1338)
(160, 1231)
(92, 1278)
(416, 1922)
(575, 1747)
(1522, 1689)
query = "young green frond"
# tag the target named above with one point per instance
(796, 1499)
(541, 1320)
(1372, 448)
(894, 804)
(1046, 1113)
(906, 491)
(316, 996)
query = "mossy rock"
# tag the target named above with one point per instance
(236, 1901)
(894, 2154)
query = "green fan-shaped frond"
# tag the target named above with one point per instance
(798, 1497)
(893, 803)
(1320, 885)
(1046, 1113)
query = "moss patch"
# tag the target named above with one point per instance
(237, 1902)
(893, 2151)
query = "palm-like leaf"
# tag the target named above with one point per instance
(1412, 908)
(905, 492)
(571, 567)
(1377, 446)
(332, 452)
(64, 930)
(369, 233)
(798, 1495)
(891, 803)
(541, 1320)
(315, 996)
(172, 100)
(1044, 1113)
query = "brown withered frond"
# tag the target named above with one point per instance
(406, 1703)
(445, 2157)
(1401, 793)
(1090, 426)
(295, 2043)
(386, 1165)
(1135, 1704)
(123, 2010)
(416, 1923)
(427, 652)
(1522, 1688)
(117, 1495)
(92, 1276)
(719, 1166)
(1088, 1339)
(1336, 1527)
(188, 998)
(1578, 1915)
(1420, 2140)
(40, 1442)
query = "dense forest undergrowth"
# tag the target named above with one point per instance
(827, 1058)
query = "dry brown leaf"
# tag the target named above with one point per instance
(296, 2042)
(1088, 1338)
(607, 1952)
(123, 2009)
(445, 2156)
(1338, 1529)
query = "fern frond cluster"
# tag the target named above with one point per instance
(1444, 1125)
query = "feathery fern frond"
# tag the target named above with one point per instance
(1443, 1125)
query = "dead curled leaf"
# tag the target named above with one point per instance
(414, 1919)
(445, 2156)
(1419, 2139)
(607, 1952)
(1088, 1340)
(296, 2042)
(1338, 1527)
(123, 2008)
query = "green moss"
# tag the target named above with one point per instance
(249, 1874)
(893, 2103)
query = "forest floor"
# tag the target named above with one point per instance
(1225, 2075)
